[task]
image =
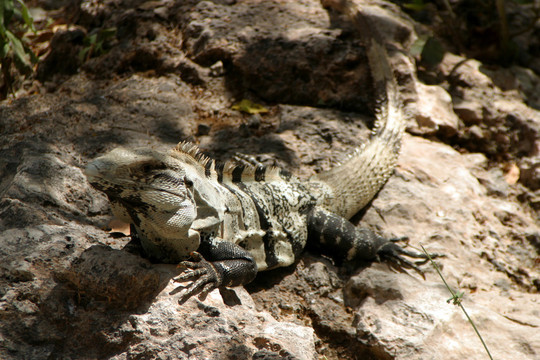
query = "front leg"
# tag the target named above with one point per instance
(218, 263)
(340, 238)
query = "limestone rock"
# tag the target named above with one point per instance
(71, 289)
(433, 112)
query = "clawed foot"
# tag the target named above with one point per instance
(202, 272)
(393, 255)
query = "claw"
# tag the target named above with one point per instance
(393, 255)
(405, 239)
(190, 274)
(206, 290)
(204, 275)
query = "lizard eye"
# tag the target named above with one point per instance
(188, 182)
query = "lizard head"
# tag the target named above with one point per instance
(154, 192)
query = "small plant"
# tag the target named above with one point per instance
(15, 22)
(456, 299)
(95, 44)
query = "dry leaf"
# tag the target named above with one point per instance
(512, 174)
(249, 107)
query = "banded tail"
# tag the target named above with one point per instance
(356, 182)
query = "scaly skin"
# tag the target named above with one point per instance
(356, 182)
(241, 218)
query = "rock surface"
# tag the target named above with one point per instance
(467, 186)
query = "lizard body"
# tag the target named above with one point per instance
(239, 218)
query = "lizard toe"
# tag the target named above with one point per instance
(394, 256)
(203, 274)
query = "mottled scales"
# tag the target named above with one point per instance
(226, 222)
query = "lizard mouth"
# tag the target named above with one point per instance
(96, 176)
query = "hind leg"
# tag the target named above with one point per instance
(340, 238)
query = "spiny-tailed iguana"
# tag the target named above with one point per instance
(239, 218)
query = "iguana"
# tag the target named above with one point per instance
(238, 218)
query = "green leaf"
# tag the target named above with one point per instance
(33, 57)
(83, 53)
(418, 46)
(433, 52)
(416, 5)
(28, 20)
(6, 12)
(249, 107)
(18, 49)
(90, 39)
(107, 33)
(4, 48)
(2, 27)
(430, 49)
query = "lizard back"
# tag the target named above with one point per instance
(266, 208)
